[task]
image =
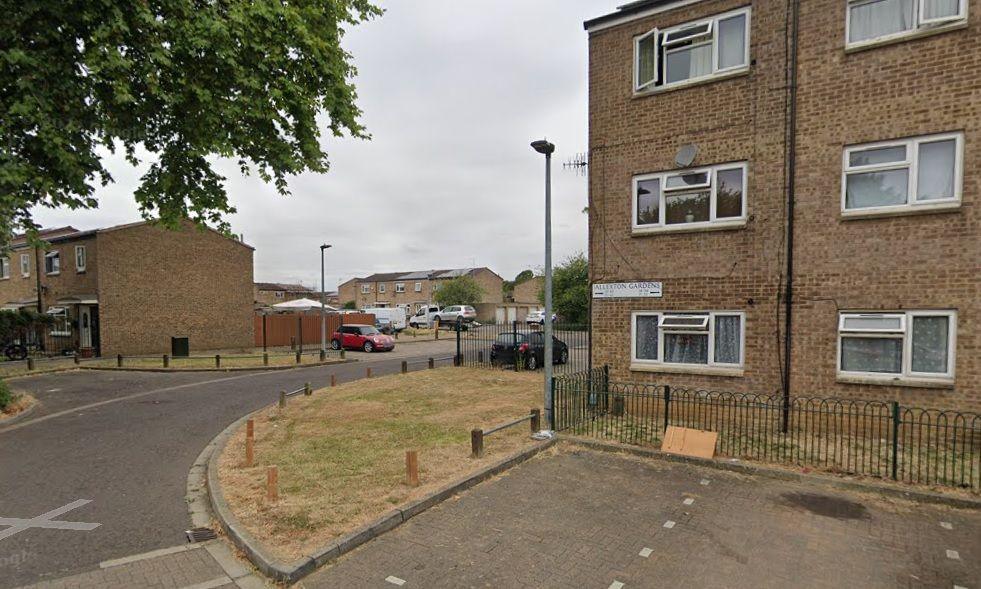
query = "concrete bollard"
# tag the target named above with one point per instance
(272, 483)
(412, 468)
(307, 389)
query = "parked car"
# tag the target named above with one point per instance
(393, 316)
(449, 314)
(424, 316)
(361, 337)
(538, 318)
(529, 348)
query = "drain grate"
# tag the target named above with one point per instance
(200, 535)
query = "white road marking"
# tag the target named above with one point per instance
(616, 585)
(645, 553)
(947, 525)
(108, 564)
(704, 482)
(669, 524)
(953, 555)
(45, 520)
(688, 501)
(395, 580)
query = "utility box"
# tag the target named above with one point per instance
(180, 347)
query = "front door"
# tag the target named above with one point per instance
(84, 326)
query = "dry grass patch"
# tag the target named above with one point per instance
(341, 452)
(21, 402)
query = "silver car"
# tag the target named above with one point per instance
(450, 314)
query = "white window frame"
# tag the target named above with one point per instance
(911, 163)
(709, 329)
(711, 37)
(52, 255)
(399, 287)
(80, 261)
(418, 287)
(365, 288)
(906, 335)
(61, 316)
(4, 268)
(920, 25)
(714, 222)
(25, 265)
(381, 287)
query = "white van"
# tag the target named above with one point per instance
(424, 316)
(395, 316)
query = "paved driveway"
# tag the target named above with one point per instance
(595, 520)
(114, 449)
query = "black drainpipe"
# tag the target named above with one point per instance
(794, 10)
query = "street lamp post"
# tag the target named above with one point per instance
(323, 302)
(542, 146)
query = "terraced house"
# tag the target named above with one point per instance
(796, 184)
(413, 290)
(129, 289)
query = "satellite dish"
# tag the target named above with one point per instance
(686, 155)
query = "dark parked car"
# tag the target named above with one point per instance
(528, 347)
(361, 337)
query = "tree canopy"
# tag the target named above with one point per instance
(570, 290)
(185, 80)
(462, 290)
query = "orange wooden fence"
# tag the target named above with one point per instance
(295, 329)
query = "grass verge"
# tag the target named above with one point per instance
(19, 403)
(341, 452)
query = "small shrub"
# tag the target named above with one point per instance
(6, 397)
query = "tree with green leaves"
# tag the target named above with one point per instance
(184, 81)
(508, 285)
(570, 290)
(462, 290)
(348, 305)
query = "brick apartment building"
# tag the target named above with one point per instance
(412, 290)
(129, 289)
(268, 294)
(739, 147)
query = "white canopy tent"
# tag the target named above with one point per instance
(302, 305)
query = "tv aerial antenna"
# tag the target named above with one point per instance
(579, 163)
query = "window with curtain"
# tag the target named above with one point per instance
(872, 20)
(695, 197)
(882, 175)
(692, 51)
(4, 268)
(688, 338)
(913, 344)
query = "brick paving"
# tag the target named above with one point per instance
(582, 519)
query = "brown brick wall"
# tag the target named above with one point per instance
(18, 288)
(527, 291)
(915, 87)
(155, 284)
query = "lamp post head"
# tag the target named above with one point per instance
(324, 247)
(543, 146)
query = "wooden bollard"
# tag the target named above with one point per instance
(432, 363)
(282, 399)
(405, 366)
(476, 443)
(307, 389)
(217, 360)
(272, 483)
(77, 360)
(298, 357)
(265, 359)
(30, 363)
(333, 380)
(536, 420)
(412, 468)
(166, 361)
(480, 356)
(249, 443)
(342, 354)
(119, 360)
(367, 372)
(323, 355)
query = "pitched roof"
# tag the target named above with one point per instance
(421, 275)
(283, 286)
(632, 9)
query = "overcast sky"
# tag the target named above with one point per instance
(452, 93)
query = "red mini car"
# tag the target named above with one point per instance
(361, 337)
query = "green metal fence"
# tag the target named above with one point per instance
(880, 439)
